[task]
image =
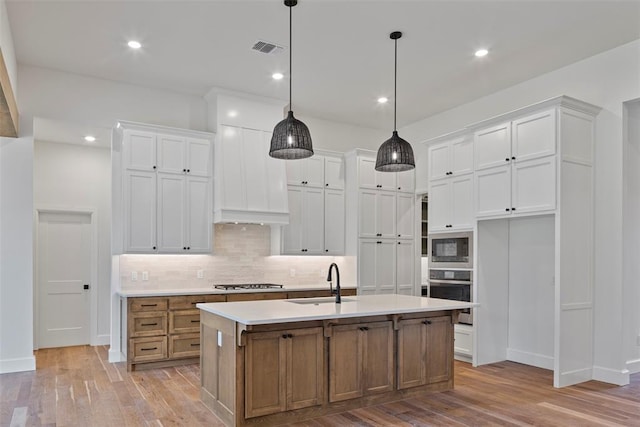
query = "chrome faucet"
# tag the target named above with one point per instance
(337, 292)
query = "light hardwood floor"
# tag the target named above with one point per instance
(76, 386)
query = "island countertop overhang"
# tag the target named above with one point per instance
(286, 311)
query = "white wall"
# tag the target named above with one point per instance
(631, 226)
(606, 80)
(73, 176)
(16, 265)
(342, 137)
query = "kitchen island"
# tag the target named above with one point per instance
(272, 362)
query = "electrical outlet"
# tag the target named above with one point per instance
(292, 272)
(145, 276)
(200, 274)
(134, 276)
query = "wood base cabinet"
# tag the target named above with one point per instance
(425, 351)
(284, 371)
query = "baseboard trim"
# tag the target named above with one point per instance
(528, 358)
(576, 376)
(116, 356)
(104, 339)
(18, 365)
(611, 376)
(633, 366)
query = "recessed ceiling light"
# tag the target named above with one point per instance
(382, 100)
(133, 44)
(277, 76)
(90, 138)
(481, 52)
(232, 113)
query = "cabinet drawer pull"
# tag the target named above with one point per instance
(149, 349)
(193, 344)
(513, 157)
(195, 321)
(427, 322)
(149, 324)
(507, 209)
(284, 336)
(148, 305)
(289, 336)
(198, 302)
(506, 160)
(379, 242)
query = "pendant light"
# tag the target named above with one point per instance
(291, 138)
(395, 154)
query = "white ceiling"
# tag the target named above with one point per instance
(342, 56)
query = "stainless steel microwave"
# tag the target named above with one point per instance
(451, 250)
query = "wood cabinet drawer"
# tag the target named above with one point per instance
(309, 294)
(184, 345)
(148, 324)
(147, 349)
(190, 301)
(255, 296)
(148, 304)
(348, 292)
(184, 321)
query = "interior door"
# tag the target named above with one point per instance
(64, 268)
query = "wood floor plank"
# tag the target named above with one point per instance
(77, 386)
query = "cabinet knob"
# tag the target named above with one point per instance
(184, 170)
(327, 184)
(284, 336)
(399, 243)
(184, 248)
(379, 242)
(399, 188)
(506, 160)
(513, 157)
(188, 170)
(289, 335)
(154, 166)
(507, 209)
(427, 322)
(154, 248)
(188, 248)
(326, 250)
(399, 235)
(513, 209)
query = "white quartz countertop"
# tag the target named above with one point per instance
(284, 311)
(130, 293)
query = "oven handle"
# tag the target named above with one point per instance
(452, 282)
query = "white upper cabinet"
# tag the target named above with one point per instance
(406, 181)
(377, 214)
(405, 215)
(334, 173)
(534, 136)
(405, 266)
(309, 171)
(524, 181)
(493, 146)
(370, 178)
(304, 235)
(139, 149)
(334, 222)
(377, 266)
(451, 204)
(451, 158)
(165, 189)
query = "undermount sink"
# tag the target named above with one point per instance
(316, 301)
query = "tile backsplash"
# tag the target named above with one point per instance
(242, 255)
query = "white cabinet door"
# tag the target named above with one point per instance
(367, 249)
(313, 221)
(334, 226)
(461, 156)
(385, 266)
(386, 214)
(334, 173)
(405, 264)
(171, 154)
(439, 155)
(292, 233)
(534, 136)
(386, 180)
(439, 205)
(276, 179)
(140, 211)
(198, 153)
(367, 173)
(171, 213)
(404, 216)
(309, 171)
(406, 181)
(534, 185)
(198, 224)
(462, 212)
(139, 150)
(493, 191)
(367, 213)
(493, 146)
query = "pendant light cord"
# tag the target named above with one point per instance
(395, 84)
(290, 57)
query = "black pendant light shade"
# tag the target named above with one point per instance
(291, 138)
(395, 154)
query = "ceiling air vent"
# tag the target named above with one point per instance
(267, 47)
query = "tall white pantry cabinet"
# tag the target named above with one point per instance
(532, 193)
(380, 225)
(161, 189)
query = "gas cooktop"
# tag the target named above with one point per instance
(247, 286)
